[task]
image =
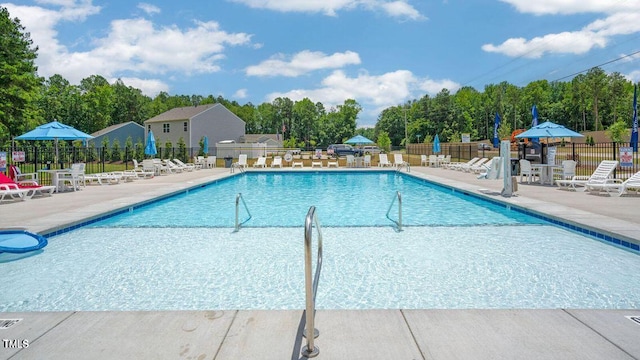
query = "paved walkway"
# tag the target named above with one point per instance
(344, 334)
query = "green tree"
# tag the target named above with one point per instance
(116, 154)
(19, 83)
(383, 141)
(618, 131)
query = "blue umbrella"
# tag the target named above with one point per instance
(150, 149)
(205, 145)
(358, 140)
(436, 144)
(54, 131)
(548, 130)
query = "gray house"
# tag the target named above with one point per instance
(191, 123)
(120, 132)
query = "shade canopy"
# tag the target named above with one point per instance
(548, 130)
(54, 131)
(358, 140)
(436, 144)
(150, 148)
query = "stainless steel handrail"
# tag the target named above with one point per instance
(311, 287)
(399, 198)
(238, 199)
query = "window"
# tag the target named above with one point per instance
(148, 128)
(185, 126)
(165, 128)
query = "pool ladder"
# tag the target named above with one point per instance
(397, 197)
(239, 199)
(311, 287)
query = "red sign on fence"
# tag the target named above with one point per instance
(17, 156)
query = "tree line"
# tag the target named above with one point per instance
(592, 101)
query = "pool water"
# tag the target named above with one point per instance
(182, 254)
(341, 199)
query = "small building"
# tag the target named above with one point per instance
(192, 123)
(120, 132)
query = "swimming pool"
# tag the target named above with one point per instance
(520, 262)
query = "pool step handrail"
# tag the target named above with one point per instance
(398, 223)
(311, 287)
(239, 199)
(405, 165)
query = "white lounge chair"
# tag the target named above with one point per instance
(481, 166)
(398, 161)
(242, 161)
(140, 171)
(467, 168)
(173, 167)
(32, 188)
(316, 163)
(185, 166)
(492, 169)
(600, 176)
(277, 162)
(458, 165)
(617, 187)
(261, 162)
(383, 160)
(12, 192)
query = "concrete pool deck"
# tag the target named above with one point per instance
(344, 334)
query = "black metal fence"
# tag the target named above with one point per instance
(587, 156)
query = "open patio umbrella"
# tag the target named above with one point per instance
(548, 130)
(358, 140)
(150, 148)
(436, 144)
(54, 131)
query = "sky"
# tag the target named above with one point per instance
(381, 53)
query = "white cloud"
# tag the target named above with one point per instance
(301, 63)
(131, 45)
(374, 93)
(553, 7)
(395, 8)
(149, 8)
(240, 94)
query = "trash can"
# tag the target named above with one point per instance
(228, 161)
(515, 166)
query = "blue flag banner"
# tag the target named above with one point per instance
(634, 126)
(534, 122)
(496, 125)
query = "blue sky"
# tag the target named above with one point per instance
(379, 52)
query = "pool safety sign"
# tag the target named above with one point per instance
(3, 161)
(626, 156)
(17, 156)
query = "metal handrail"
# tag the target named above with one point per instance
(399, 222)
(311, 287)
(405, 164)
(238, 199)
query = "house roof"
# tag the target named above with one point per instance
(113, 127)
(258, 138)
(181, 113)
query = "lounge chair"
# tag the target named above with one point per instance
(481, 166)
(140, 171)
(333, 162)
(444, 160)
(172, 166)
(601, 175)
(32, 188)
(261, 162)
(277, 162)
(161, 167)
(242, 161)
(185, 166)
(617, 187)
(458, 165)
(398, 161)
(468, 167)
(316, 163)
(492, 169)
(13, 192)
(383, 160)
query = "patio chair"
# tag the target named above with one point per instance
(445, 161)
(527, 170)
(74, 177)
(211, 162)
(433, 160)
(383, 160)
(423, 160)
(567, 171)
(18, 176)
(601, 175)
(367, 161)
(617, 187)
(261, 162)
(351, 161)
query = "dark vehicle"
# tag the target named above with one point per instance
(484, 146)
(342, 150)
